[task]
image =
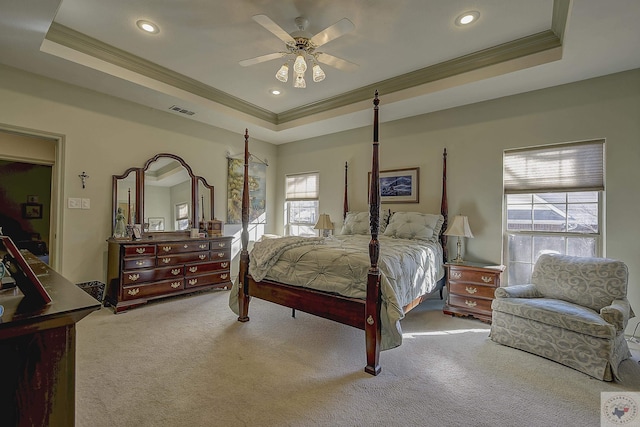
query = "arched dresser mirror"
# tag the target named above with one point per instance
(167, 259)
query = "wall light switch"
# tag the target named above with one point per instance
(74, 203)
(86, 203)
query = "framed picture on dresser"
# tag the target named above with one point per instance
(18, 267)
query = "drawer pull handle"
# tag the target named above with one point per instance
(175, 271)
(139, 262)
(470, 303)
(224, 265)
(141, 250)
(471, 290)
(222, 245)
(166, 260)
(193, 269)
(456, 274)
(175, 285)
(202, 256)
(193, 281)
(220, 254)
(134, 291)
(224, 276)
(203, 246)
(186, 246)
(487, 279)
(134, 277)
(166, 248)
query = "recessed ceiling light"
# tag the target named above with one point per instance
(147, 26)
(467, 18)
(275, 92)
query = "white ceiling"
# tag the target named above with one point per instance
(410, 50)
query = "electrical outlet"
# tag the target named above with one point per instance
(86, 203)
(74, 203)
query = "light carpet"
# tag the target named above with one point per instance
(188, 362)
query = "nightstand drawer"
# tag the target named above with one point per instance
(469, 303)
(471, 290)
(473, 276)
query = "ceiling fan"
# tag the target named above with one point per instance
(301, 46)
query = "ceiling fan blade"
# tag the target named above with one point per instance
(274, 28)
(335, 62)
(263, 58)
(336, 30)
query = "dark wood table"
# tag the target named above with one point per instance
(37, 351)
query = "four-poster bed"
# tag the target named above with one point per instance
(374, 305)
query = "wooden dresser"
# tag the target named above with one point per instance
(470, 289)
(165, 264)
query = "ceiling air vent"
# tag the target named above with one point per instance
(181, 110)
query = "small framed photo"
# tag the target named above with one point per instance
(32, 210)
(137, 231)
(33, 199)
(22, 273)
(399, 185)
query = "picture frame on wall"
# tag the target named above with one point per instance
(20, 270)
(399, 185)
(32, 210)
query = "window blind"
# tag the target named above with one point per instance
(561, 167)
(302, 187)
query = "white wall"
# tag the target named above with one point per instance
(475, 137)
(103, 136)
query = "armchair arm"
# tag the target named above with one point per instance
(518, 291)
(618, 313)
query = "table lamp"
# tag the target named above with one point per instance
(324, 224)
(460, 228)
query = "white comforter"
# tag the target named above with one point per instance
(339, 264)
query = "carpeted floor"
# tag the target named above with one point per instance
(188, 362)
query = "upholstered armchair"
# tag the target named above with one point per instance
(574, 312)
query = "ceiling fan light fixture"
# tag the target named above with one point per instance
(283, 73)
(318, 74)
(299, 83)
(300, 65)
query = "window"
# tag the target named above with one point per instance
(301, 204)
(553, 203)
(182, 216)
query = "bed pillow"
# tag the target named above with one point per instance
(358, 222)
(415, 225)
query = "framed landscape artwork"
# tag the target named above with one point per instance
(399, 185)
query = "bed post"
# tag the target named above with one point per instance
(372, 307)
(444, 209)
(243, 291)
(345, 207)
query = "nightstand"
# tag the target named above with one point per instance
(470, 289)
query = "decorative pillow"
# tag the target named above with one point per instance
(415, 225)
(358, 222)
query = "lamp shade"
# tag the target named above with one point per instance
(459, 227)
(324, 223)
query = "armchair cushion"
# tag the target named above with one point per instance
(589, 282)
(518, 291)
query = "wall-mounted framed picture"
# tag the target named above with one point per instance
(32, 210)
(399, 185)
(22, 273)
(33, 199)
(156, 224)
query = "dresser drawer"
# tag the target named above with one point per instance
(151, 289)
(138, 250)
(473, 276)
(148, 275)
(471, 290)
(207, 279)
(469, 303)
(221, 254)
(181, 247)
(220, 244)
(143, 262)
(205, 267)
(182, 258)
